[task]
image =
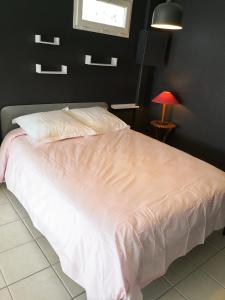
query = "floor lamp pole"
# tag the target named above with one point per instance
(140, 74)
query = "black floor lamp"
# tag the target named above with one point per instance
(167, 16)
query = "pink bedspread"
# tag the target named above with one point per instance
(118, 208)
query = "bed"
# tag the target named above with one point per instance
(118, 208)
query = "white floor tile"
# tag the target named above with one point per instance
(48, 250)
(155, 289)
(16, 204)
(5, 295)
(7, 214)
(19, 208)
(9, 195)
(199, 286)
(215, 267)
(13, 234)
(222, 251)
(21, 262)
(2, 281)
(81, 297)
(201, 254)
(179, 269)
(35, 233)
(217, 239)
(44, 285)
(3, 198)
(73, 288)
(172, 295)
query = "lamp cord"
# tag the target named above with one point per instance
(147, 15)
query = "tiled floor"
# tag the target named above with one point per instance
(30, 269)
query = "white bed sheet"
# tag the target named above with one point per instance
(117, 208)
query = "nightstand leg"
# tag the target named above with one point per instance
(157, 133)
(166, 135)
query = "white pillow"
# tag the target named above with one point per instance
(98, 119)
(51, 126)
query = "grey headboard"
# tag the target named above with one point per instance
(8, 113)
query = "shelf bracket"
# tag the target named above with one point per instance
(62, 72)
(39, 41)
(88, 59)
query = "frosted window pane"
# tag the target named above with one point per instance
(104, 13)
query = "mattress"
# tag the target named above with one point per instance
(117, 208)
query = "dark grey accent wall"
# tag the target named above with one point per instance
(195, 68)
(196, 73)
(19, 84)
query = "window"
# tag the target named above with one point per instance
(104, 16)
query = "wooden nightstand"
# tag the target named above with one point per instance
(162, 129)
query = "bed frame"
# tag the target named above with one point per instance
(8, 113)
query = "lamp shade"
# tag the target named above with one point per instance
(165, 98)
(167, 15)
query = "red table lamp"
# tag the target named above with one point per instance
(165, 98)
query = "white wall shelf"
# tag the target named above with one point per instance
(125, 106)
(62, 72)
(38, 40)
(88, 59)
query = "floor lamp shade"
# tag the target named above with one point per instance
(168, 15)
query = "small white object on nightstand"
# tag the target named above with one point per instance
(125, 106)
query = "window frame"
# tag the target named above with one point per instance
(79, 23)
